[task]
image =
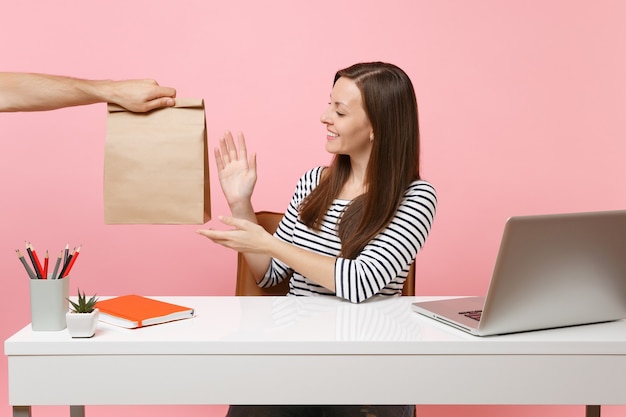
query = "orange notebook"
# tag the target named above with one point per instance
(133, 311)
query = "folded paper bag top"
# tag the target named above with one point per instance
(156, 168)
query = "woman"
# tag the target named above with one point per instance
(352, 229)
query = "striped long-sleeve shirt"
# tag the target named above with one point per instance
(382, 266)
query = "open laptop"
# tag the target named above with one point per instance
(551, 271)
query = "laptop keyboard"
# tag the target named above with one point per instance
(473, 314)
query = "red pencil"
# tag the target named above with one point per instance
(69, 266)
(45, 266)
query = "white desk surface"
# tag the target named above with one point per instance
(238, 325)
(317, 350)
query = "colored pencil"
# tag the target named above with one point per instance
(39, 268)
(34, 261)
(56, 265)
(45, 266)
(71, 263)
(29, 271)
(67, 251)
(66, 264)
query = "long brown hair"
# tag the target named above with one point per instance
(390, 104)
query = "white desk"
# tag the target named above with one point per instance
(239, 349)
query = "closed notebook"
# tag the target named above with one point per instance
(133, 311)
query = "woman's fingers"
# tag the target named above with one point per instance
(218, 159)
(229, 152)
(231, 148)
(243, 152)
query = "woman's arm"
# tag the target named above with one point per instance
(256, 244)
(237, 175)
(379, 263)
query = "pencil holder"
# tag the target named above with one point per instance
(48, 303)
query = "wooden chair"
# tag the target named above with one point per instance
(246, 284)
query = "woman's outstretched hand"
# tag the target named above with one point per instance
(245, 236)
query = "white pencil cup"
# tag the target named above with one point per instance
(48, 303)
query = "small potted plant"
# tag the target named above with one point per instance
(82, 318)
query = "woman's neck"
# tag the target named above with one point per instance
(355, 185)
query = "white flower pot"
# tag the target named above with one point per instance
(82, 324)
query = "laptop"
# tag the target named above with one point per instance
(551, 271)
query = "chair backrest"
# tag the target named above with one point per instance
(246, 284)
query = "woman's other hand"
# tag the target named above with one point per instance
(236, 172)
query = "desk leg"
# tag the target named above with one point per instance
(25, 411)
(77, 411)
(592, 411)
(21, 411)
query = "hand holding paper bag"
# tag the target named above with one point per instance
(156, 168)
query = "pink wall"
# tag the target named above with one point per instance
(522, 109)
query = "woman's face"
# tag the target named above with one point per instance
(349, 131)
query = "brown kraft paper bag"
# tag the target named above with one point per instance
(156, 168)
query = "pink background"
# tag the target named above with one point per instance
(522, 109)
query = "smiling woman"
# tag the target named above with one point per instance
(353, 229)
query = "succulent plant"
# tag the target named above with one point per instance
(83, 305)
